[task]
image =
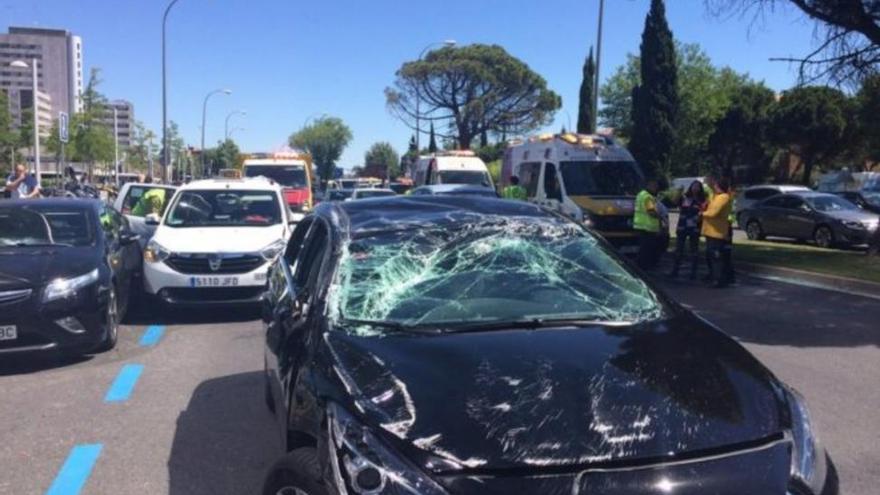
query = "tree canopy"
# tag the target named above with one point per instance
(382, 155)
(742, 135)
(586, 112)
(472, 90)
(325, 139)
(812, 122)
(655, 101)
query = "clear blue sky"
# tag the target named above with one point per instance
(288, 60)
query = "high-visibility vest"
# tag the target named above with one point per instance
(151, 202)
(514, 192)
(641, 219)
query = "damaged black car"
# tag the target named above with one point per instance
(447, 345)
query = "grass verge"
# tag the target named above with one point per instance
(841, 263)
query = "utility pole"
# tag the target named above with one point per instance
(598, 65)
(164, 97)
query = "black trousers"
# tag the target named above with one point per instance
(690, 239)
(649, 250)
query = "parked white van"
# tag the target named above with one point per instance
(452, 167)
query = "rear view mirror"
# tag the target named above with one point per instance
(151, 219)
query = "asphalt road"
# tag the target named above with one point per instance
(194, 421)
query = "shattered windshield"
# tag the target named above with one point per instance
(494, 271)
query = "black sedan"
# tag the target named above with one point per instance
(67, 267)
(826, 219)
(449, 345)
(866, 200)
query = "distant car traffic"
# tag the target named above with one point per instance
(291, 169)
(454, 190)
(400, 187)
(66, 275)
(752, 195)
(826, 219)
(866, 200)
(127, 202)
(439, 345)
(371, 193)
(216, 241)
(338, 194)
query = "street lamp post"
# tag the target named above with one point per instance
(116, 144)
(226, 125)
(165, 151)
(419, 96)
(204, 117)
(36, 110)
(232, 131)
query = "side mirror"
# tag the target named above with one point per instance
(128, 238)
(152, 219)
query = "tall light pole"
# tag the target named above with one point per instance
(232, 131)
(19, 64)
(116, 144)
(228, 116)
(204, 117)
(598, 65)
(419, 96)
(165, 152)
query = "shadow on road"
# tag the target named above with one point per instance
(225, 440)
(146, 314)
(775, 313)
(36, 362)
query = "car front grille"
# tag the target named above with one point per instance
(214, 264)
(14, 296)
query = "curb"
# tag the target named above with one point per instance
(811, 279)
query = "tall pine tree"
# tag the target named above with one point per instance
(432, 143)
(655, 100)
(586, 110)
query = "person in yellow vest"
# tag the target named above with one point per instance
(646, 221)
(514, 190)
(716, 229)
(152, 201)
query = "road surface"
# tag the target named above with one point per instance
(192, 421)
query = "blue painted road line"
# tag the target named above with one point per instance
(124, 383)
(76, 470)
(152, 335)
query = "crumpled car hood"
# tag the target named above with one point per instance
(560, 397)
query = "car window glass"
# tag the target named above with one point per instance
(310, 260)
(110, 224)
(528, 177)
(776, 202)
(552, 188)
(792, 202)
(296, 239)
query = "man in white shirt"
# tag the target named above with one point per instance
(20, 184)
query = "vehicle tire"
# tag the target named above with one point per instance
(111, 322)
(823, 236)
(297, 473)
(267, 394)
(754, 231)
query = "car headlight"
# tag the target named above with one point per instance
(154, 252)
(362, 464)
(808, 463)
(270, 252)
(65, 287)
(853, 225)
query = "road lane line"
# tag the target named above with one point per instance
(152, 335)
(76, 470)
(124, 383)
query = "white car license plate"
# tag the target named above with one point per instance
(213, 281)
(8, 332)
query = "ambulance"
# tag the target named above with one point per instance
(587, 177)
(452, 167)
(292, 170)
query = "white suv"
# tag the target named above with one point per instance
(215, 242)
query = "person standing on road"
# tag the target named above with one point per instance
(151, 202)
(514, 190)
(20, 184)
(687, 231)
(716, 229)
(646, 221)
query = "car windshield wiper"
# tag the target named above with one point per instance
(530, 323)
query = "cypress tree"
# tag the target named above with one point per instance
(655, 101)
(432, 144)
(586, 110)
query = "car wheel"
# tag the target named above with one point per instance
(297, 473)
(823, 236)
(754, 231)
(111, 322)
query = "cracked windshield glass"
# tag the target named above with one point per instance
(439, 247)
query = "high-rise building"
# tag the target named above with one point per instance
(59, 58)
(124, 120)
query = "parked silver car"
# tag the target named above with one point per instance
(826, 219)
(748, 197)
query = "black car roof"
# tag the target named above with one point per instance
(391, 213)
(74, 203)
